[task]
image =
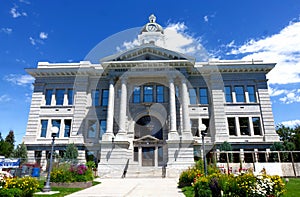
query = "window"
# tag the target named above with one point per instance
(193, 96)
(256, 125)
(228, 95)
(160, 94)
(59, 96)
(102, 128)
(70, 96)
(231, 126)
(95, 97)
(48, 96)
(56, 123)
(92, 127)
(251, 94)
(244, 125)
(104, 98)
(194, 127)
(137, 95)
(44, 124)
(239, 94)
(67, 128)
(203, 96)
(148, 94)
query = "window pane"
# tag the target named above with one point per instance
(56, 123)
(48, 97)
(193, 96)
(44, 124)
(102, 128)
(239, 93)
(148, 94)
(59, 96)
(256, 125)
(137, 95)
(70, 96)
(67, 128)
(231, 126)
(228, 95)
(160, 94)
(104, 98)
(251, 94)
(244, 126)
(95, 97)
(92, 128)
(203, 96)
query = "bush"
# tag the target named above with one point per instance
(13, 192)
(188, 176)
(28, 185)
(201, 187)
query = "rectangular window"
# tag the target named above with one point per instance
(148, 94)
(251, 94)
(59, 96)
(137, 95)
(256, 125)
(193, 96)
(95, 97)
(67, 128)
(70, 96)
(56, 123)
(48, 96)
(44, 124)
(194, 127)
(231, 126)
(92, 128)
(160, 94)
(203, 95)
(228, 95)
(239, 94)
(244, 125)
(104, 100)
(102, 128)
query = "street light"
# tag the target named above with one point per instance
(54, 131)
(202, 128)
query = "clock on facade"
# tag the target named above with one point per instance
(151, 27)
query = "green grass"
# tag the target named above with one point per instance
(292, 189)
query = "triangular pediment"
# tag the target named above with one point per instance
(147, 138)
(147, 52)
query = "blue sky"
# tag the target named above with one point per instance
(66, 31)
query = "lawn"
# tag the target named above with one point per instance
(62, 191)
(292, 189)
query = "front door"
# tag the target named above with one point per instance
(148, 156)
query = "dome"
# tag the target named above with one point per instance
(152, 26)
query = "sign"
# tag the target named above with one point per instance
(9, 163)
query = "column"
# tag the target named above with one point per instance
(123, 109)
(156, 156)
(185, 111)
(110, 113)
(173, 134)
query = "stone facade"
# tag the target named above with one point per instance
(142, 109)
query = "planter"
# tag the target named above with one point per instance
(73, 185)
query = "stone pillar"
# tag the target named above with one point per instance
(156, 156)
(255, 155)
(121, 136)
(140, 156)
(187, 134)
(173, 134)
(110, 113)
(44, 160)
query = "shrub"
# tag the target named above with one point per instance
(91, 164)
(13, 192)
(188, 176)
(28, 185)
(201, 187)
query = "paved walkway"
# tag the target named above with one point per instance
(130, 187)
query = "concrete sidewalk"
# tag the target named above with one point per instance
(131, 187)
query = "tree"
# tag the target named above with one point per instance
(71, 153)
(225, 146)
(10, 138)
(21, 152)
(6, 147)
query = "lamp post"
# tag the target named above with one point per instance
(54, 131)
(202, 128)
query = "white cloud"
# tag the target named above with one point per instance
(43, 35)
(276, 92)
(205, 18)
(21, 80)
(23, 1)
(15, 13)
(291, 123)
(4, 98)
(291, 97)
(176, 39)
(282, 48)
(6, 30)
(32, 41)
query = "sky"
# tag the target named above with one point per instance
(33, 31)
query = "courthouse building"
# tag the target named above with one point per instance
(141, 109)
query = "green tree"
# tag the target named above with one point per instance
(6, 147)
(71, 153)
(10, 138)
(21, 152)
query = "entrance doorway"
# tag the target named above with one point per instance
(148, 156)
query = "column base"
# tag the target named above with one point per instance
(121, 136)
(173, 135)
(107, 137)
(187, 135)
